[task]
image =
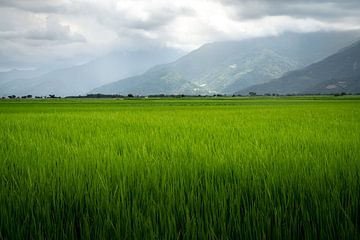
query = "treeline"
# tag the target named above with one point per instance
(299, 94)
(129, 96)
(99, 95)
(31, 96)
(251, 94)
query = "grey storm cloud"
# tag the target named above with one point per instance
(319, 9)
(60, 29)
(243, 9)
(53, 31)
(122, 19)
(38, 6)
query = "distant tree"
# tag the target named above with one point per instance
(130, 95)
(29, 96)
(340, 94)
(52, 95)
(252, 93)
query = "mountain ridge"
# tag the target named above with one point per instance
(82, 78)
(227, 67)
(339, 72)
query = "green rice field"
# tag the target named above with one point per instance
(227, 168)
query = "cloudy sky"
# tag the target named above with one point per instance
(34, 33)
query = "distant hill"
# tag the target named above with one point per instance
(17, 74)
(337, 73)
(227, 67)
(81, 79)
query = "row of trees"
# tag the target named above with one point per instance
(98, 95)
(31, 96)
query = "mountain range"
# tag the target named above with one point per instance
(337, 73)
(81, 79)
(228, 67)
(287, 63)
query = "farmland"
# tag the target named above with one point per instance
(180, 168)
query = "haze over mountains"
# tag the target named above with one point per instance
(337, 73)
(215, 68)
(81, 79)
(228, 67)
(17, 74)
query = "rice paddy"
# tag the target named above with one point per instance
(232, 168)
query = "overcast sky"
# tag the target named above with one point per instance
(36, 32)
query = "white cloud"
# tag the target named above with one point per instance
(78, 29)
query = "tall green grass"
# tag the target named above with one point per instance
(180, 169)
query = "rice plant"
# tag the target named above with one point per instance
(284, 168)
